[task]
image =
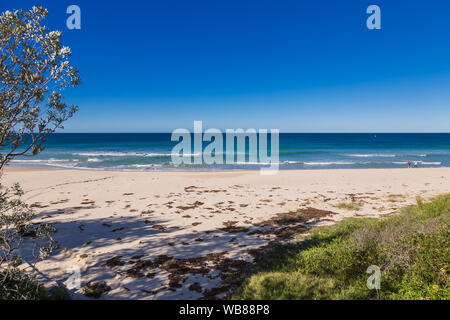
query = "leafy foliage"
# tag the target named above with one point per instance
(34, 70)
(16, 223)
(16, 284)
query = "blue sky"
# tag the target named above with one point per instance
(299, 66)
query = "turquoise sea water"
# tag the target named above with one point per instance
(151, 151)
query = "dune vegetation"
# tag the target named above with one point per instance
(411, 248)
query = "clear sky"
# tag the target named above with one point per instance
(299, 66)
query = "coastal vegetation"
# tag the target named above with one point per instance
(351, 206)
(411, 248)
(34, 70)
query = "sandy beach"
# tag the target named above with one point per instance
(180, 235)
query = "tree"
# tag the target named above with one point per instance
(34, 70)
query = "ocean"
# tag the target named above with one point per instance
(151, 151)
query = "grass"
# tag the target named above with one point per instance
(351, 206)
(20, 285)
(17, 284)
(412, 249)
(395, 197)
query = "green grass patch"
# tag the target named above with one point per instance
(17, 284)
(395, 197)
(351, 206)
(412, 249)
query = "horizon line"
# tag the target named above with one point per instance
(286, 132)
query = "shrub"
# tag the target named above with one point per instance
(34, 71)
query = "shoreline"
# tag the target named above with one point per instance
(137, 231)
(16, 168)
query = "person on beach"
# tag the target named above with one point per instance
(409, 163)
(415, 164)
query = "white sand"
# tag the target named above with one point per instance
(103, 214)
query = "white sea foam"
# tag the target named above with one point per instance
(291, 162)
(64, 164)
(51, 160)
(26, 161)
(121, 154)
(375, 155)
(253, 163)
(266, 163)
(430, 163)
(330, 163)
(145, 165)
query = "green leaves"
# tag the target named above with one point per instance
(34, 71)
